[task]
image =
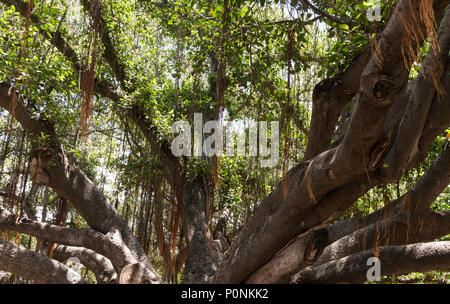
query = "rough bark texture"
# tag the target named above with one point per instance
(33, 266)
(395, 260)
(329, 98)
(109, 245)
(198, 265)
(405, 220)
(101, 267)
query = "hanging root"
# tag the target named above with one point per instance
(377, 52)
(87, 86)
(416, 32)
(428, 17)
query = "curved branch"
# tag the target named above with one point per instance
(329, 98)
(398, 225)
(101, 267)
(33, 266)
(276, 221)
(438, 118)
(94, 7)
(395, 260)
(115, 250)
(169, 163)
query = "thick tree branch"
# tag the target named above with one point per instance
(433, 182)
(33, 266)
(101, 267)
(309, 183)
(170, 165)
(329, 98)
(395, 260)
(422, 93)
(398, 230)
(401, 221)
(107, 90)
(108, 245)
(438, 118)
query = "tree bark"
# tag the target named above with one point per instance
(198, 265)
(395, 260)
(101, 267)
(33, 266)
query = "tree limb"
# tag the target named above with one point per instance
(33, 266)
(401, 221)
(106, 245)
(329, 98)
(333, 18)
(94, 8)
(422, 94)
(101, 267)
(395, 260)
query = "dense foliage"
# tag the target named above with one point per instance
(268, 54)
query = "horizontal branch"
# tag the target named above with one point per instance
(115, 250)
(399, 224)
(394, 260)
(398, 230)
(33, 266)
